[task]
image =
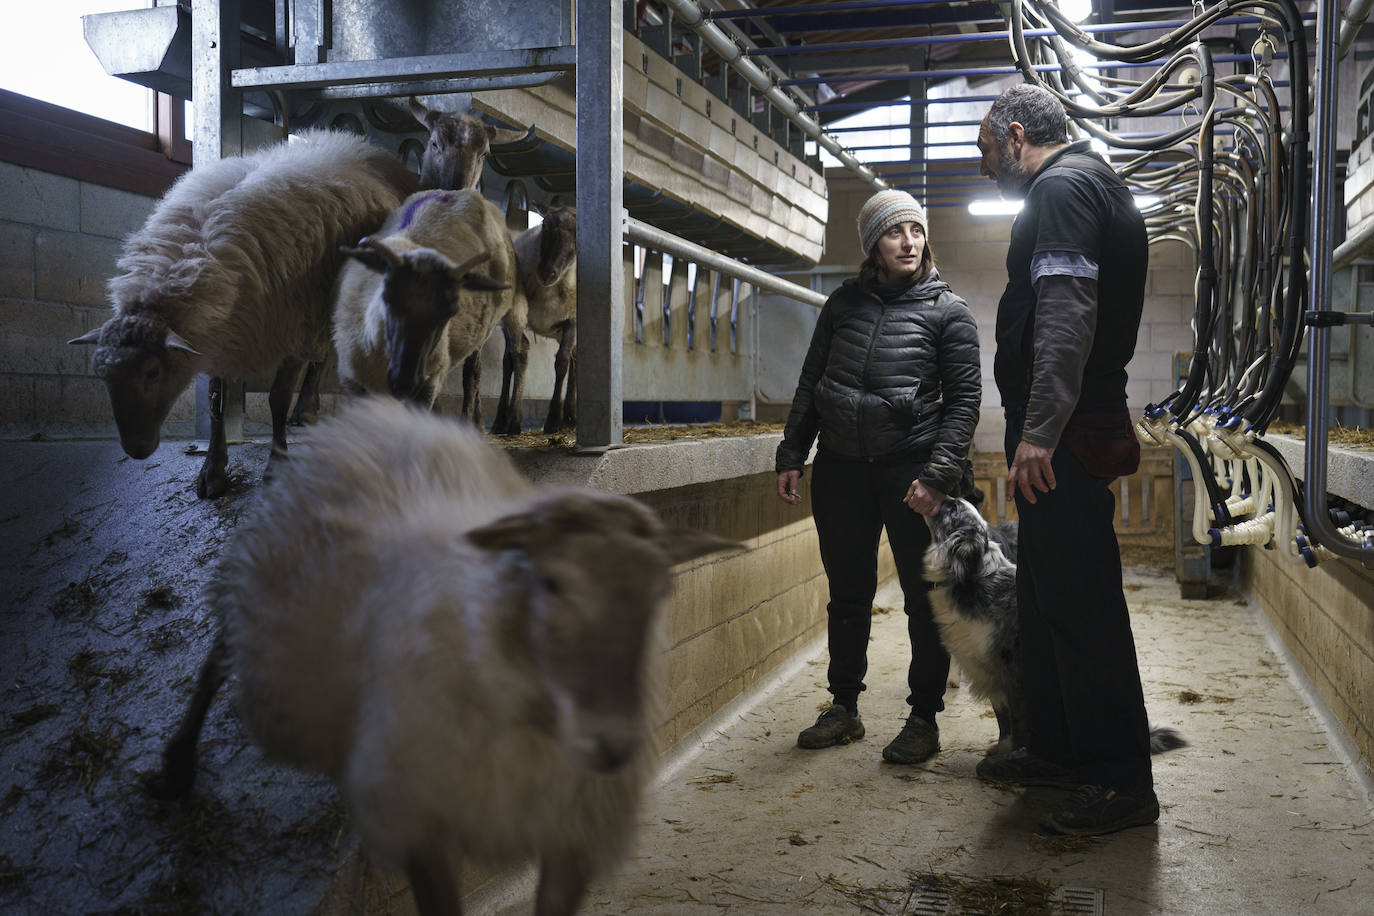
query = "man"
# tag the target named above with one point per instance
(1066, 328)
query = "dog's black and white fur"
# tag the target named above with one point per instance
(973, 595)
(972, 571)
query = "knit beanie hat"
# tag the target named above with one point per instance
(884, 210)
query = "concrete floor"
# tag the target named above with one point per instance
(1263, 812)
(101, 562)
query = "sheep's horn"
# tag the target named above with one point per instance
(499, 136)
(480, 258)
(175, 341)
(90, 337)
(377, 245)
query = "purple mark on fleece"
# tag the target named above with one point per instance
(409, 216)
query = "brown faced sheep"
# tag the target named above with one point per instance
(546, 304)
(230, 276)
(412, 305)
(471, 658)
(457, 147)
(455, 153)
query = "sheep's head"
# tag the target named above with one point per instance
(145, 366)
(557, 243)
(597, 566)
(421, 288)
(457, 148)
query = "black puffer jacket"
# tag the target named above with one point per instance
(890, 380)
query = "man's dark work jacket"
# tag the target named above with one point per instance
(889, 381)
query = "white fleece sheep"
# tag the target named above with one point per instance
(413, 303)
(545, 303)
(231, 276)
(471, 658)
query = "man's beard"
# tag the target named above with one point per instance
(1012, 177)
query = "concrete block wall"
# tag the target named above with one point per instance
(1326, 618)
(733, 618)
(59, 240)
(1325, 615)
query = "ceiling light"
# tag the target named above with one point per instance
(1077, 10)
(991, 207)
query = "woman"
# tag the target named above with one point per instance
(892, 384)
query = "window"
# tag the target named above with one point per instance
(43, 55)
(61, 113)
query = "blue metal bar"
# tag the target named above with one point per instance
(1160, 25)
(923, 125)
(1006, 71)
(855, 6)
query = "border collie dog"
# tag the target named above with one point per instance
(971, 569)
(973, 594)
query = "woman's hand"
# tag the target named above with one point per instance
(787, 487)
(923, 499)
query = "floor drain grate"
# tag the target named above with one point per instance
(1071, 901)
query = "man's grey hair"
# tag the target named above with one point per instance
(1033, 107)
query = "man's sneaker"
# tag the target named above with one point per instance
(835, 726)
(1022, 768)
(917, 742)
(1093, 810)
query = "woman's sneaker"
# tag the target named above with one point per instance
(835, 726)
(917, 742)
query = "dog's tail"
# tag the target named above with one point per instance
(1165, 739)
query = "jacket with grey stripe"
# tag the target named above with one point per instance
(890, 380)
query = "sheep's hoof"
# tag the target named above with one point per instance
(212, 483)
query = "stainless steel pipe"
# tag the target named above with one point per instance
(1322, 529)
(641, 233)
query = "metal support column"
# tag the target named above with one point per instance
(916, 119)
(1321, 527)
(218, 132)
(600, 199)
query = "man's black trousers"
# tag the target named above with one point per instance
(1082, 683)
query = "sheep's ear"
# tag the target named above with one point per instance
(683, 544)
(509, 533)
(90, 337)
(175, 341)
(478, 281)
(425, 116)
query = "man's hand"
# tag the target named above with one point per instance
(1030, 471)
(923, 499)
(787, 487)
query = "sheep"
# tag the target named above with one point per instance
(409, 307)
(471, 658)
(457, 147)
(455, 153)
(230, 276)
(547, 305)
